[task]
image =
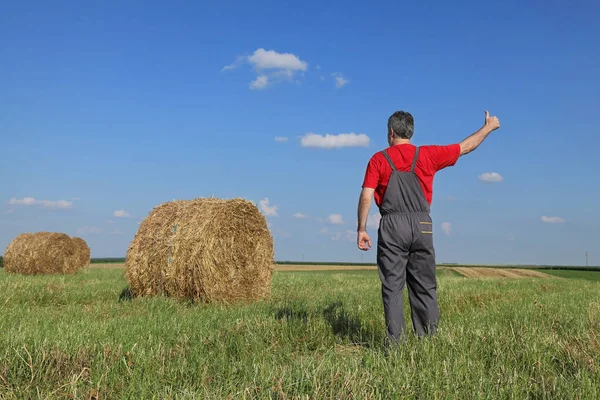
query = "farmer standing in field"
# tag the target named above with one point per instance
(401, 180)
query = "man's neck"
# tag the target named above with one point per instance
(398, 141)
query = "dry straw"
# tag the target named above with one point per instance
(41, 253)
(82, 252)
(204, 249)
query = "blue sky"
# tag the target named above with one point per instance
(109, 109)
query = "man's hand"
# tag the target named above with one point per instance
(492, 123)
(363, 241)
(472, 142)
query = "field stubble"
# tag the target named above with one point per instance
(320, 335)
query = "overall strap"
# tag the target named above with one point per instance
(387, 157)
(414, 163)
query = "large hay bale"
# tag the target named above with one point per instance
(41, 253)
(204, 249)
(82, 252)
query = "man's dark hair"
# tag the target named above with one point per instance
(402, 124)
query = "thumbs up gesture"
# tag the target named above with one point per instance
(491, 122)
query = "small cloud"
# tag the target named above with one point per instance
(552, 220)
(322, 78)
(30, 201)
(108, 221)
(349, 236)
(490, 177)
(334, 141)
(270, 59)
(121, 214)
(259, 83)
(339, 80)
(9, 211)
(318, 67)
(239, 61)
(324, 230)
(451, 198)
(447, 228)
(270, 66)
(269, 211)
(335, 219)
(88, 230)
(281, 139)
(373, 220)
(115, 232)
(299, 216)
(76, 199)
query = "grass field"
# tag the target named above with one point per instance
(320, 335)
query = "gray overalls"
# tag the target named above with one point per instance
(405, 254)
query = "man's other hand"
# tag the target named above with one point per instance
(363, 241)
(491, 122)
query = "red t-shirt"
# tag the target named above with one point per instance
(431, 160)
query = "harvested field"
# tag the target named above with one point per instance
(471, 272)
(291, 267)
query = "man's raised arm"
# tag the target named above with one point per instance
(472, 142)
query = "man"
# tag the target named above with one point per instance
(400, 178)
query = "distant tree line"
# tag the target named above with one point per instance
(358, 264)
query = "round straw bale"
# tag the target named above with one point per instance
(82, 252)
(41, 253)
(204, 249)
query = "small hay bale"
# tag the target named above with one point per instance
(41, 253)
(204, 249)
(83, 252)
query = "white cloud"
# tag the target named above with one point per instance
(269, 211)
(270, 66)
(76, 199)
(88, 230)
(452, 198)
(322, 78)
(115, 232)
(447, 228)
(349, 236)
(259, 83)
(491, 177)
(299, 216)
(318, 67)
(339, 80)
(121, 214)
(337, 236)
(335, 219)
(30, 201)
(552, 220)
(239, 61)
(333, 141)
(270, 59)
(373, 221)
(324, 230)
(108, 221)
(9, 211)
(281, 139)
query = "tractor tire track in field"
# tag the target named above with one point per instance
(475, 272)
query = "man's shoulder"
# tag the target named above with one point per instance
(377, 156)
(437, 147)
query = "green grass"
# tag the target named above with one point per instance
(586, 275)
(320, 335)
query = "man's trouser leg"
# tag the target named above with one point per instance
(422, 287)
(391, 261)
